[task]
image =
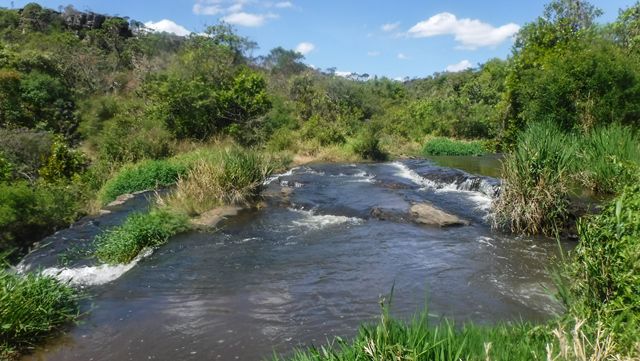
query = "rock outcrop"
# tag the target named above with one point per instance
(427, 214)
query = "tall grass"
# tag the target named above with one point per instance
(391, 339)
(537, 175)
(604, 277)
(122, 244)
(233, 176)
(148, 174)
(448, 146)
(609, 158)
(32, 307)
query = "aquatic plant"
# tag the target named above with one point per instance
(123, 243)
(537, 175)
(32, 307)
(448, 146)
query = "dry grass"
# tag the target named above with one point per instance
(231, 177)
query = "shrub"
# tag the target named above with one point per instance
(536, 182)
(367, 146)
(605, 274)
(122, 244)
(62, 163)
(129, 139)
(26, 150)
(29, 212)
(233, 177)
(281, 139)
(6, 168)
(610, 157)
(149, 174)
(447, 146)
(31, 308)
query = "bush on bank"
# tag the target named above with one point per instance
(534, 197)
(32, 307)
(605, 274)
(448, 146)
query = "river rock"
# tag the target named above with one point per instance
(213, 217)
(424, 213)
(389, 214)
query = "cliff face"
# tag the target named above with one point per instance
(77, 20)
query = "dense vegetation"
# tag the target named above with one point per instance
(90, 110)
(33, 306)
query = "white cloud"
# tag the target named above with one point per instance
(344, 74)
(305, 48)
(470, 33)
(284, 4)
(402, 56)
(247, 19)
(373, 53)
(389, 27)
(207, 7)
(168, 26)
(463, 65)
(236, 8)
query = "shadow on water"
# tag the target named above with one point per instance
(314, 264)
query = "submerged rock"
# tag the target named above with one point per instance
(390, 214)
(427, 214)
(213, 217)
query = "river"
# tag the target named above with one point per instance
(312, 264)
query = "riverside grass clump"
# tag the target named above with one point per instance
(148, 174)
(32, 307)
(604, 275)
(448, 146)
(610, 156)
(418, 340)
(537, 174)
(230, 176)
(141, 230)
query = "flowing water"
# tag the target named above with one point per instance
(312, 264)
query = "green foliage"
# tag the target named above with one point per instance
(122, 244)
(130, 138)
(605, 274)
(626, 29)
(26, 150)
(447, 146)
(367, 145)
(6, 169)
(610, 158)
(391, 339)
(29, 212)
(149, 174)
(32, 307)
(230, 176)
(62, 163)
(534, 197)
(199, 108)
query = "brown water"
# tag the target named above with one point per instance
(313, 265)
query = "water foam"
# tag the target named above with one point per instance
(94, 275)
(476, 189)
(276, 176)
(317, 221)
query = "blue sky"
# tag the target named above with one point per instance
(392, 38)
